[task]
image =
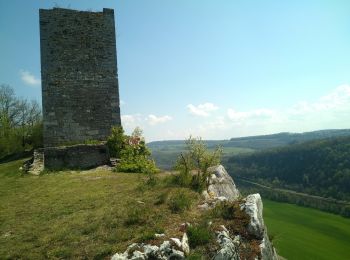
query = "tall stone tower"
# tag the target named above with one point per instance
(80, 93)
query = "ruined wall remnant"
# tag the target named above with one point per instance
(79, 75)
(81, 156)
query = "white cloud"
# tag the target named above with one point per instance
(131, 121)
(153, 120)
(29, 78)
(256, 113)
(338, 99)
(202, 109)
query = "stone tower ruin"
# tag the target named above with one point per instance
(80, 93)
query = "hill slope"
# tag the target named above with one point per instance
(319, 167)
(165, 153)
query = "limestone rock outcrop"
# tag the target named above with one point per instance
(221, 188)
(167, 250)
(221, 184)
(229, 248)
(254, 208)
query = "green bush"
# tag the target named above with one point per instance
(116, 141)
(132, 151)
(179, 202)
(198, 235)
(193, 164)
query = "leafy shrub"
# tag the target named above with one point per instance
(179, 202)
(197, 159)
(198, 235)
(116, 141)
(132, 151)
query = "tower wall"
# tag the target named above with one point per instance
(80, 93)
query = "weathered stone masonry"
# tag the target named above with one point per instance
(79, 75)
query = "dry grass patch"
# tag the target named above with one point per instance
(91, 214)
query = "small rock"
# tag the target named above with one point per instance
(228, 248)
(183, 227)
(150, 250)
(165, 246)
(176, 254)
(184, 244)
(176, 241)
(205, 195)
(221, 198)
(159, 235)
(204, 206)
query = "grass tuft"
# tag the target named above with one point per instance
(199, 235)
(179, 202)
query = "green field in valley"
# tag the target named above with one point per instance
(304, 233)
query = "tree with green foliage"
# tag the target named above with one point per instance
(20, 123)
(193, 164)
(116, 141)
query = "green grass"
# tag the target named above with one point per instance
(84, 215)
(304, 233)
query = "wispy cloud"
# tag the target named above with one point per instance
(129, 121)
(337, 99)
(29, 78)
(256, 113)
(202, 109)
(154, 120)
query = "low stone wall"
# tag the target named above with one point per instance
(81, 156)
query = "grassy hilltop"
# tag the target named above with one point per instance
(94, 214)
(90, 214)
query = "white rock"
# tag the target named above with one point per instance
(150, 250)
(267, 250)
(119, 256)
(165, 246)
(137, 255)
(228, 248)
(176, 241)
(221, 198)
(222, 185)
(184, 244)
(203, 206)
(176, 254)
(254, 208)
(205, 195)
(159, 235)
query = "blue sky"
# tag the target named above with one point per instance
(216, 69)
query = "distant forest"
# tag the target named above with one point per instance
(319, 167)
(166, 152)
(315, 163)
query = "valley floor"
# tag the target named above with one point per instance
(304, 233)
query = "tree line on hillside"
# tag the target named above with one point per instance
(335, 207)
(319, 167)
(20, 123)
